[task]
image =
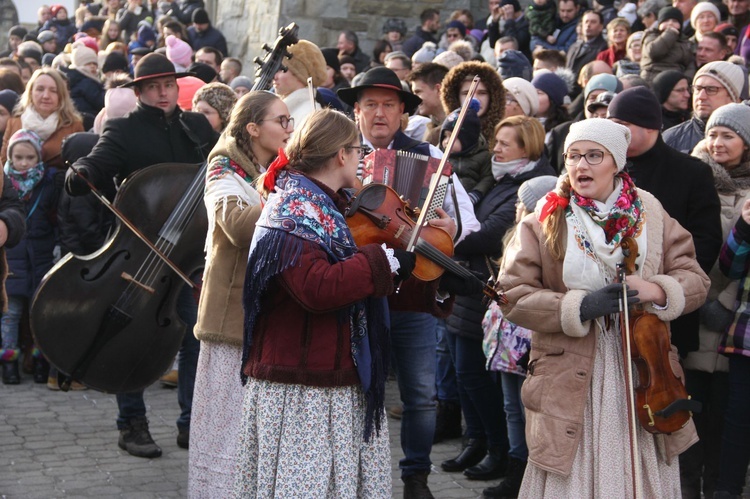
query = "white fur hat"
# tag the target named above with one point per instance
(613, 137)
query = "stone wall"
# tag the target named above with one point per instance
(247, 24)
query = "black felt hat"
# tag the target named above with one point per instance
(154, 66)
(380, 77)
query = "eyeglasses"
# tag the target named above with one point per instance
(510, 101)
(592, 157)
(696, 89)
(282, 120)
(362, 151)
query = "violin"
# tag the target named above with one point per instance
(378, 215)
(662, 402)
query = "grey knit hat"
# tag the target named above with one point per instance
(733, 116)
(535, 189)
(220, 97)
(613, 137)
(241, 81)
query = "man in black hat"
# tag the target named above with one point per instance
(379, 102)
(156, 132)
(672, 89)
(203, 34)
(682, 183)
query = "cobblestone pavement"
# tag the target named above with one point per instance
(55, 444)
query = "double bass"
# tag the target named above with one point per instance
(109, 319)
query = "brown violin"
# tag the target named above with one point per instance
(662, 403)
(378, 215)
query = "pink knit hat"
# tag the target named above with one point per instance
(178, 51)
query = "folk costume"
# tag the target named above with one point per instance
(574, 394)
(315, 352)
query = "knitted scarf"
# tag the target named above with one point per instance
(620, 220)
(300, 212)
(24, 182)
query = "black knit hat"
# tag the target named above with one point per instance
(670, 13)
(203, 71)
(637, 105)
(331, 55)
(115, 61)
(18, 31)
(380, 77)
(470, 130)
(153, 66)
(665, 82)
(200, 16)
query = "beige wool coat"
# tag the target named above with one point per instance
(556, 389)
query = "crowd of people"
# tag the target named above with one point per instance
(591, 125)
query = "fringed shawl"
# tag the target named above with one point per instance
(299, 212)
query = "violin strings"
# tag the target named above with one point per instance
(150, 268)
(437, 256)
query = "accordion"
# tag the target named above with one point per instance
(409, 175)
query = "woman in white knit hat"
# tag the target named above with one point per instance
(559, 276)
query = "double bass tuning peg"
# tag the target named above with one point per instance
(266, 47)
(287, 54)
(258, 61)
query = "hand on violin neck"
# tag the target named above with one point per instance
(605, 301)
(460, 286)
(445, 222)
(648, 292)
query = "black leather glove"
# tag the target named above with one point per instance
(715, 317)
(605, 301)
(461, 286)
(406, 261)
(75, 185)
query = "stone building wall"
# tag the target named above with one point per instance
(247, 24)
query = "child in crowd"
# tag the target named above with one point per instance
(60, 24)
(541, 16)
(666, 47)
(470, 155)
(33, 256)
(506, 346)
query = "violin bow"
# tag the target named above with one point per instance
(436, 176)
(635, 455)
(311, 90)
(122, 218)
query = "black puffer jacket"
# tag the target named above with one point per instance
(497, 213)
(83, 221)
(87, 94)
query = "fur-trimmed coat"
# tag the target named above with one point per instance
(452, 86)
(733, 188)
(556, 390)
(233, 209)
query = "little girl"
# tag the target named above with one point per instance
(507, 346)
(32, 257)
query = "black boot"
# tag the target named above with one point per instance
(41, 370)
(415, 487)
(10, 373)
(508, 488)
(448, 421)
(136, 439)
(473, 451)
(494, 465)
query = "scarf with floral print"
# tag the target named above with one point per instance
(622, 219)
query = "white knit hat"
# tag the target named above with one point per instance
(702, 7)
(613, 137)
(523, 92)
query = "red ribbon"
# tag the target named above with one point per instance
(278, 164)
(553, 201)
